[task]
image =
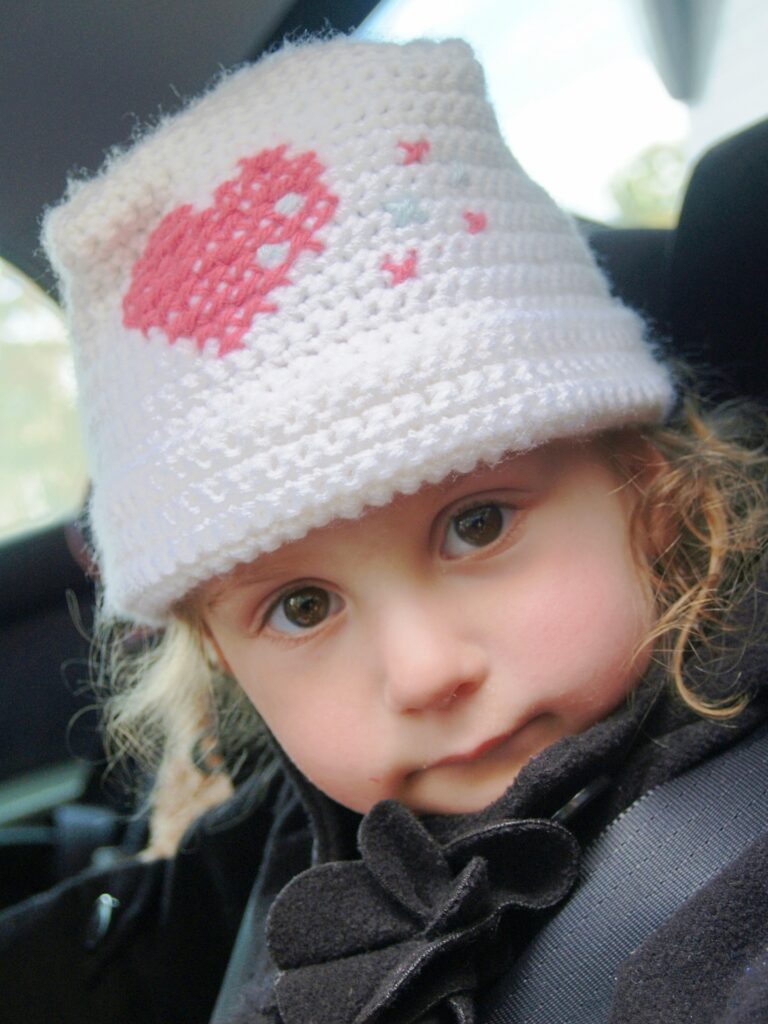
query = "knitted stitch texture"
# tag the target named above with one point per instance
(325, 282)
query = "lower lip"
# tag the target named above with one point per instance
(485, 751)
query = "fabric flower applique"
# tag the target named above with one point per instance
(410, 931)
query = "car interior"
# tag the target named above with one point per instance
(76, 79)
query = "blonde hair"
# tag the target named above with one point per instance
(170, 710)
(703, 489)
(700, 483)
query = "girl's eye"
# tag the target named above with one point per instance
(302, 609)
(475, 527)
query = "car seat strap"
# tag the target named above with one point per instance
(634, 876)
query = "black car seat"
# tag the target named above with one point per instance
(703, 285)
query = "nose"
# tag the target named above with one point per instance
(429, 661)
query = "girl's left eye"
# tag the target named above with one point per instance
(302, 609)
(475, 527)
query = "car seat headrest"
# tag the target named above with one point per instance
(718, 276)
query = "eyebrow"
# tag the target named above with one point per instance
(249, 576)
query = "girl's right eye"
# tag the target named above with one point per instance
(302, 609)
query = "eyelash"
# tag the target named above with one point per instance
(509, 515)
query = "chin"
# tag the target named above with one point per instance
(460, 799)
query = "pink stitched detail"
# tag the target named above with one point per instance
(414, 152)
(475, 221)
(206, 274)
(400, 271)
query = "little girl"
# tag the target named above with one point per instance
(401, 495)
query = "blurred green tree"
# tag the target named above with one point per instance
(648, 190)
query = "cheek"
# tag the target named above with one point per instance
(341, 759)
(344, 762)
(575, 633)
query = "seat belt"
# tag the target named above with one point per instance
(634, 876)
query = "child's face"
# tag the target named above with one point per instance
(428, 649)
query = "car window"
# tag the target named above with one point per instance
(42, 466)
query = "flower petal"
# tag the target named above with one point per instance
(426, 978)
(462, 1006)
(404, 858)
(331, 911)
(532, 863)
(336, 992)
(469, 900)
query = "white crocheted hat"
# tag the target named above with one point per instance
(325, 282)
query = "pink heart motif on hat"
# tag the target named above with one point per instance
(205, 274)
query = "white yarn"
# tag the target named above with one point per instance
(439, 311)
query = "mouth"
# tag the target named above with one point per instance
(483, 750)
